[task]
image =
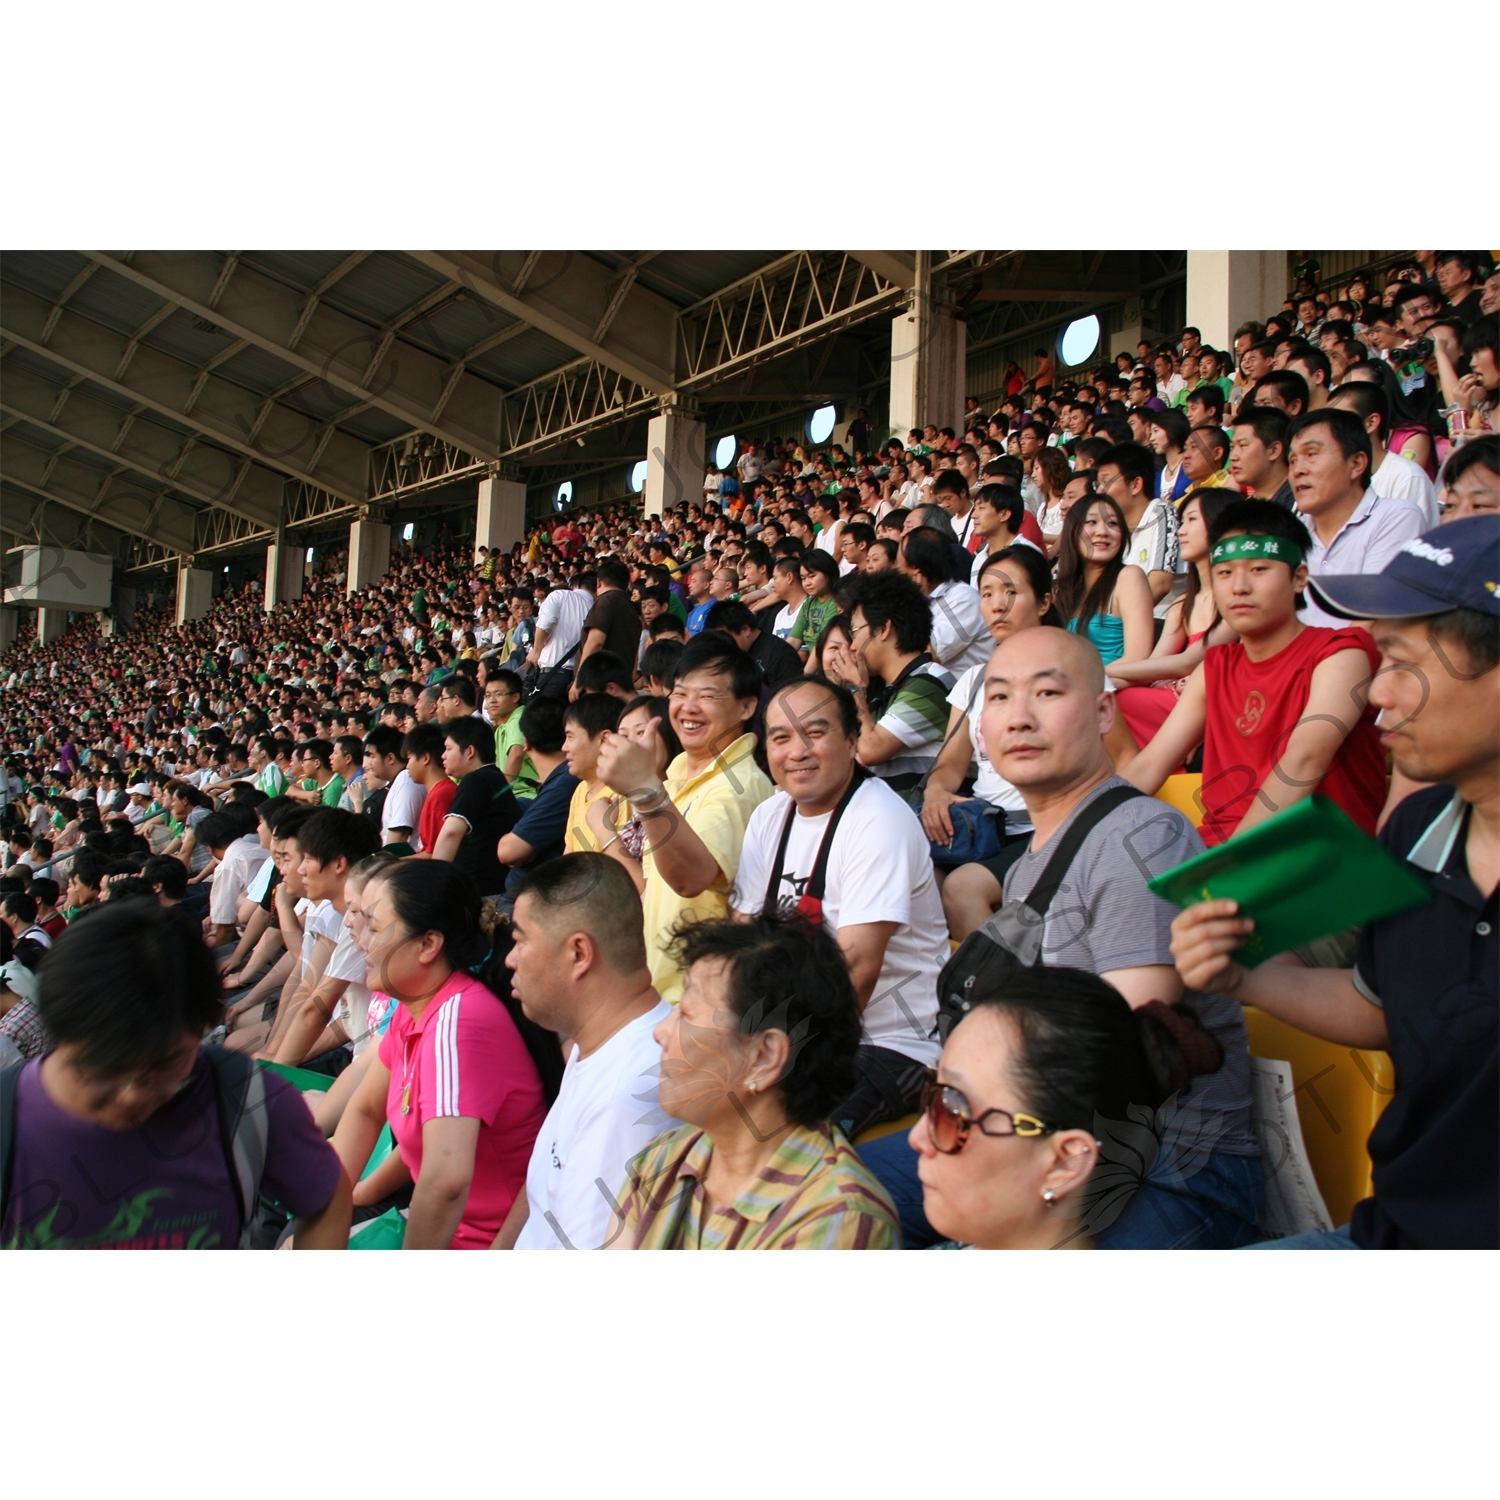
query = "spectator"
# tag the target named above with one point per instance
(423, 749)
(1423, 982)
(1010, 1155)
(820, 576)
(401, 810)
(1391, 476)
(778, 662)
(584, 725)
(1044, 719)
(124, 1131)
(578, 966)
(1282, 713)
(1124, 476)
(538, 835)
(838, 845)
(1257, 455)
(613, 623)
(452, 1077)
(483, 809)
(1098, 594)
(786, 584)
(1471, 482)
(957, 635)
(756, 1165)
(695, 816)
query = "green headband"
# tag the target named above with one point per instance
(1234, 547)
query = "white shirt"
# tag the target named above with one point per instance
(241, 860)
(879, 870)
(347, 962)
(606, 1112)
(968, 694)
(1399, 478)
(960, 638)
(782, 625)
(562, 615)
(403, 807)
(1376, 531)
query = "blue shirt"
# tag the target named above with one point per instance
(545, 821)
(697, 615)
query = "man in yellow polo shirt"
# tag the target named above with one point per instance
(694, 818)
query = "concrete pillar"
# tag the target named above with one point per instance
(108, 625)
(8, 621)
(675, 460)
(123, 607)
(285, 571)
(369, 555)
(928, 361)
(195, 592)
(50, 623)
(501, 518)
(1228, 287)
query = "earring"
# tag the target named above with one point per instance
(1049, 1197)
(753, 1087)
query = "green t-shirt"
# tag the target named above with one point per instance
(271, 781)
(507, 736)
(812, 620)
(333, 791)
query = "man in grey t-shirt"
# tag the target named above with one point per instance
(1045, 717)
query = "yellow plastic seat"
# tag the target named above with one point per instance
(1184, 793)
(888, 1127)
(1340, 1093)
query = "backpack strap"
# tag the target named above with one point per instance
(10, 1080)
(1072, 841)
(818, 880)
(244, 1128)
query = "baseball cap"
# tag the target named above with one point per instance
(1456, 566)
(140, 789)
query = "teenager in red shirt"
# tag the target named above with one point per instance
(1283, 712)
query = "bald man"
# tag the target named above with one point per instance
(1044, 723)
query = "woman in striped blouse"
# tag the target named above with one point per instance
(754, 1059)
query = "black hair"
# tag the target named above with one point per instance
(715, 653)
(458, 687)
(1038, 573)
(1483, 450)
(658, 708)
(1483, 333)
(1173, 422)
(1212, 502)
(1086, 1056)
(602, 670)
(45, 889)
(431, 895)
(424, 739)
(929, 553)
(1075, 601)
(785, 974)
(660, 659)
(860, 532)
(124, 982)
(332, 833)
(320, 750)
(1316, 362)
(1474, 632)
(1367, 398)
(949, 482)
(1263, 518)
(1211, 396)
(469, 733)
(170, 874)
(385, 740)
(1268, 422)
(612, 571)
(1005, 499)
(600, 899)
(818, 561)
(218, 830)
(1344, 427)
(594, 713)
(1133, 460)
(843, 700)
(512, 680)
(1287, 384)
(291, 823)
(20, 904)
(892, 596)
(542, 724)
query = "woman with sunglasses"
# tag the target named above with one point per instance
(1034, 1084)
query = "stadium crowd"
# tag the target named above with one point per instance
(622, 888)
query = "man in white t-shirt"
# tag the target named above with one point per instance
(559, 626)
(879, 897)
(579, 968)
(239, 856)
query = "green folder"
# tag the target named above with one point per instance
(1301, 875)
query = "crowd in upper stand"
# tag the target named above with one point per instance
(606, 890)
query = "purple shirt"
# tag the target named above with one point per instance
(164, 1186)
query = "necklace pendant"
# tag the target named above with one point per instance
(406, 1100)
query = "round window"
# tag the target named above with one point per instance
(820, 424)
(638, 477)
(724, 452)
(1078, 340)
(564, 495)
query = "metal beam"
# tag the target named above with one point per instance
(91, 352)
(263, 312)
(583, 284)
(896, 266)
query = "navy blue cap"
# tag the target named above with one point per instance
(1457, 566)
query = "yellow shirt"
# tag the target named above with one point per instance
(579, 837)
(716, 804)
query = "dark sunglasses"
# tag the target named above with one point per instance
(950, 1118)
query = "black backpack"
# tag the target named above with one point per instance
(240, 1093)
(987, 959)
